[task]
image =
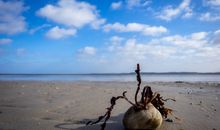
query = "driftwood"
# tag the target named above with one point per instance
(148, 98)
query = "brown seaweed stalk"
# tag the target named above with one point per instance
(147, 96)
(138, 85)
(109, 110)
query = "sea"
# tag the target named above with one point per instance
(149, 77)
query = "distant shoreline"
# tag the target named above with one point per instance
(167, 77)
(132, 73)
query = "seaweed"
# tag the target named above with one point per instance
(147, 96)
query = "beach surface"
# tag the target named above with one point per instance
(54, 105)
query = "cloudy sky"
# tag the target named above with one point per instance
(102, 36)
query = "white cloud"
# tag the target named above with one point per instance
(167, 47)
(196, 46)
(137, 3)
(217, 32)
(130, 4)
(216, 38)
(11, 19)
(116, 5)
(87, 51)
(96, 24)
(58, 33)
(213, 2)
(209, 17)
(136, 27)
(193, 41)
(32, 31)
(116, 39)
(212, 12)
(188, 13)
(126, 54)
(170, 53)
(5, 41)
(171, 47)
(134, 50)
(72, 13)
(169, 12)
(199, 35)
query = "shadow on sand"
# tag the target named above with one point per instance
(114, 123)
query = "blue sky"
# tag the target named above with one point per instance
(97, 36)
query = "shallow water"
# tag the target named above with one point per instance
(114, 77)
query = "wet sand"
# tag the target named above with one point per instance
(53, 105)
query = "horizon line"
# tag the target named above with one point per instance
(109, 73)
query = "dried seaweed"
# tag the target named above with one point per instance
(147, 96)
(139, 83)
(109, 110)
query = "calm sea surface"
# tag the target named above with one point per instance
(115, 77)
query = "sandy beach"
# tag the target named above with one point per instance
(52, 105)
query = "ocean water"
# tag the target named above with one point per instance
(113, 77)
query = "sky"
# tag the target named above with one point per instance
(109, 36)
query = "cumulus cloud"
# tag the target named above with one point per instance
(5, 41)
(116, 5)
(209, 17)
(136, 27)
(130, 4)
(134, 50)
(137, 3)
(168, 53)
(213, 2)
(58, 33)
(87, 51)
(195, 45)
(72, 13)
(195, 40)
(11, 19)
(216, 38)
(199, 35)
(169, 12)
(212, 12)
(127, 52)
(188, 13)
(116, 39)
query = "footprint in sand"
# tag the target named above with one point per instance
(84, 121)
(46, 118)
